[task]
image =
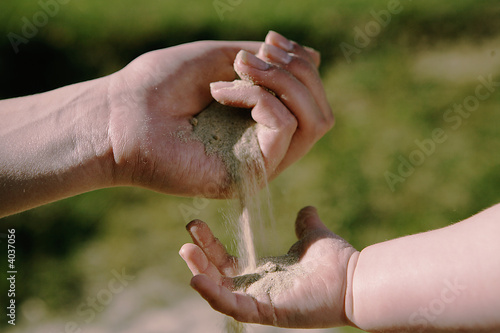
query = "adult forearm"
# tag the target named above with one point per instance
(54, 145)
(445, 279)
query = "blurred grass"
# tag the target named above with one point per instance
(383, 101)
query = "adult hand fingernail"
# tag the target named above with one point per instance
(275, 53)
(249, 59)
(279, 40)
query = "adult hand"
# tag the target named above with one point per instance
(317, 296)
(153, 99)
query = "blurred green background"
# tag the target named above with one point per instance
(391, 90)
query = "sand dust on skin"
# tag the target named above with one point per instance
(272, 276)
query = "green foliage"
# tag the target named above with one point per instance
(393, 93)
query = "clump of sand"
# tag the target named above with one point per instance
(229, 133)
(272, 276)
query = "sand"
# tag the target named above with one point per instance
(272, 276)
(231, 134)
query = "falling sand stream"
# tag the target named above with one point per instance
(231, 134)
